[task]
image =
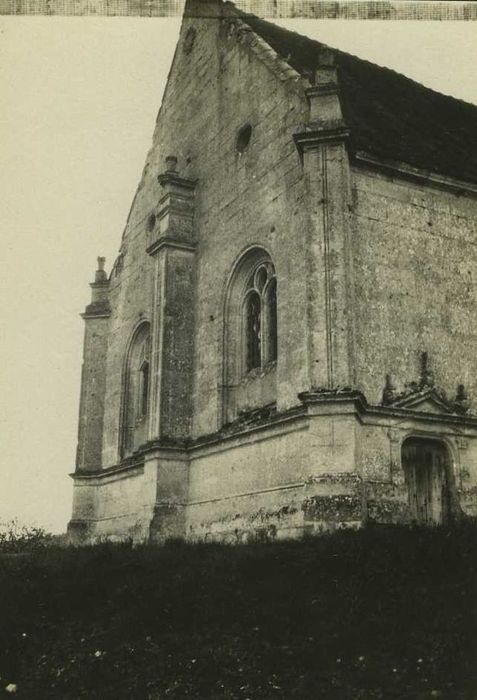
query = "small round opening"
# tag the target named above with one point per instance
(243, 138)
(151, 222)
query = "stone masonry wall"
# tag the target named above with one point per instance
(121, 505)
(263, 479)
(415, 281)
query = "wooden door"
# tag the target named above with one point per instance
(425, 467)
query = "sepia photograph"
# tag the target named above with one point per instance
(239, 350)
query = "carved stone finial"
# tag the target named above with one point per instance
(171, 164)
(325, 73)
(461, 393)
(426, 378)
(462, 399)
(411, 387)
(389, 391)
(326, 57)
(100, 275)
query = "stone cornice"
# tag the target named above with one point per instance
(126, 468)
(346, 394)
(330, 88)
(404, 170)
(170, 177)
(232, 432)
(88, 316)
(333, 402)
(447, 418)
(338, 397)
(315, 134)
(169, 242)
(99, 309)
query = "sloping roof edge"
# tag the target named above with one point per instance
(392, 117)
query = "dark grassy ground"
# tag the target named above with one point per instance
(380, 613)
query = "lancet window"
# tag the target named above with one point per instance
(260, 317)
(135, 403)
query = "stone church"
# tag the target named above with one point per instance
(287, 340)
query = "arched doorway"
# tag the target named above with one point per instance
(426, 464)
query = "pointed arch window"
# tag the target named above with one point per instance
(250, 334)
(135, 403)
(143, 392)
(260, 317)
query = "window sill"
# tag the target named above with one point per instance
(259, 372)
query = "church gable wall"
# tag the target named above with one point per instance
(415, 278)
(242, 200)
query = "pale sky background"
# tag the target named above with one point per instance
(79, 98)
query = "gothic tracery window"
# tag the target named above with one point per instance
(260, 317)
(249, 372)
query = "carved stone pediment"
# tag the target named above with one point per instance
(428, 400)
(422, 396)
